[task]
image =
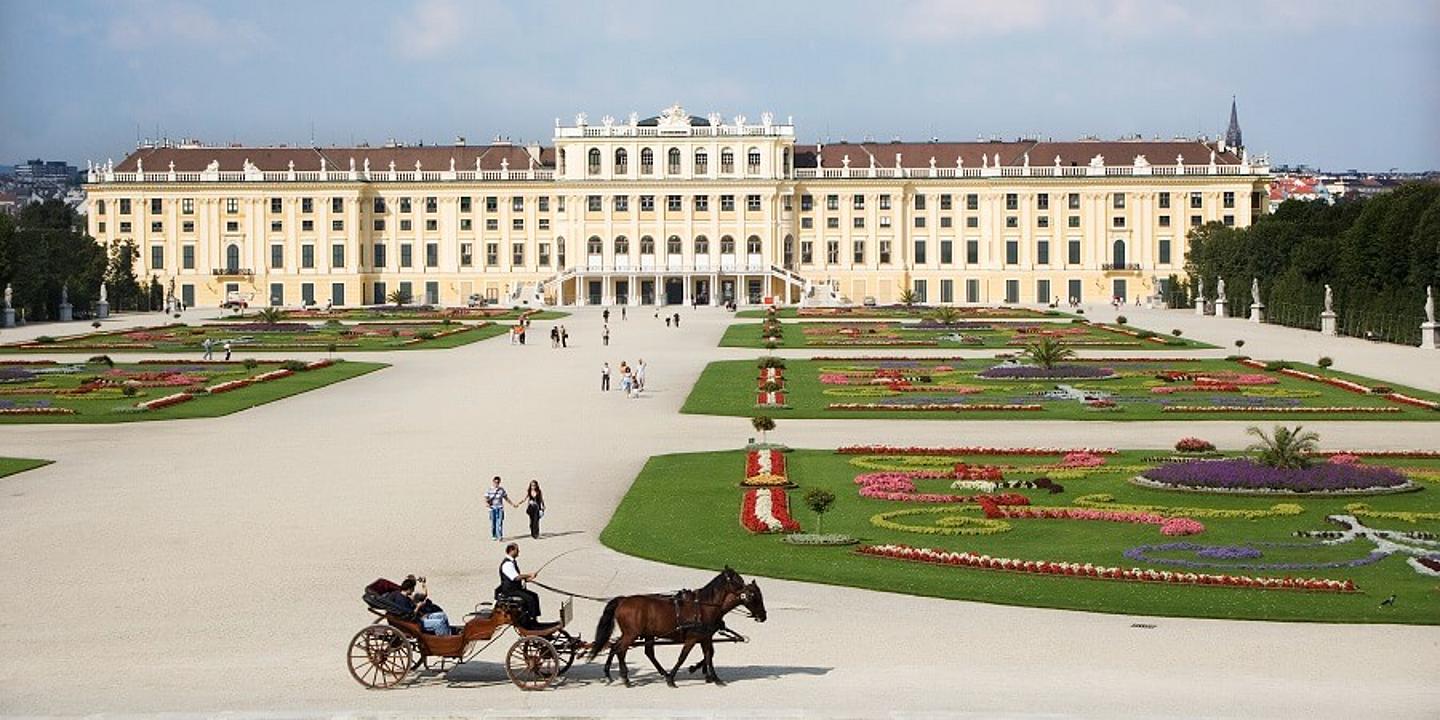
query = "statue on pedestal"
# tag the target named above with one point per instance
(1329, 299)
(102, 292)
(1429, 303)
(1255, 291)
(1220, 289)
(9, 295)
(65, 294)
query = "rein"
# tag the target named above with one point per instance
(703, 603)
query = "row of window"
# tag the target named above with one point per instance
(672, 161)
(1075, 289)
(378, 254)
(673, 203)
(921, 254)
(337, 205)
(673, 245)
(1012, 201)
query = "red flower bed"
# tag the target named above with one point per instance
(166, 401)
(767, 514)
(935, 556)
(972, 450)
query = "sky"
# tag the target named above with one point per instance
(1335, 85)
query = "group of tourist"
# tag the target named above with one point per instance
(559, 336)
(518, 330)
(208, 346)
(632, 379)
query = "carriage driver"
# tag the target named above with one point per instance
(512, 582)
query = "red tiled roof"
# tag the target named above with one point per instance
(431, 157)
(1012, 154)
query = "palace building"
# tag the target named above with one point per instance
(672, 209)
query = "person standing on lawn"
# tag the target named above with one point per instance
(495, 499)
(534, 507)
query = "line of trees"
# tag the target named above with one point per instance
(45, 247)
(1377, 254)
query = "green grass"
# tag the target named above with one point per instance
(182, 338)
(902, 312)
(998, 335)
(728, 388)
(684, 509)
(110, 406)
(11, 466)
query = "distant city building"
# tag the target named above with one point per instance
(9, 203)
(46, 173)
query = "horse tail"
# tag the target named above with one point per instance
(604, 628)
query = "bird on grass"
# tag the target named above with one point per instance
(1388, 601)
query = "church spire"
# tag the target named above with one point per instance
(1233, 138)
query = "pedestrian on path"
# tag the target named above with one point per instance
(640, 374)
(605, 336)
(227, 351)
(677, 319)
(605, 315)
(534, 507)
(522, 334)
(605, 376)
(554, 336)
(209, 346)
(495, 499)
(622, 312)
(564, 337)
(667, 321)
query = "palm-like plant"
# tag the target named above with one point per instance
(270, 315)
(399, 297)
(1283, 447)
(1047, 352)
(908, 297)
(945, 315)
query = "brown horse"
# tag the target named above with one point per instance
(689, 616)
(754, 603)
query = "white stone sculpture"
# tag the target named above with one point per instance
(1329, 299)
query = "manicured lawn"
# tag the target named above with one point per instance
(945, 389)
(964, 334)
(95, 392)
(684, 509)
(11, 466)
(411, 313)
(901, 312)
(278, 337)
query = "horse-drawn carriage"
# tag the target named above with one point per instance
(383, 654)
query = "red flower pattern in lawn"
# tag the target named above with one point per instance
(767, 510)
(965, 450)
(1099, 572)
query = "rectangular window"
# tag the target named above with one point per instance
(919, 221)
(307, 293)
(1012, 201)
(672, 203)
(379, 225)
(102, 226)
(232, 206)
(1012, 291)
(1117, 221)
(858, 222)
(919, 201)
(972, 290)
(406, 225)
(832, 202)
(885, 221)
(1042, 201)
(1164, 201)
(466, 225)
(945, 201)
(920, 258)
(1195, 221)
(972, 201)
(517, 254)
(432, 204)
(972, 222)
(1042, 252)
(807, 203)
(857, 202)
(807, 252)
(432, 255)
(1073, 201)
(276, 226)
(921, 288)
(157, 227)
(1228, 200)
(407, 255)
(1043, 221)
(947, 252)
(622, 203)
(1042, 291)
(275, 206)
(187, 226)
(702, 203)
(187, 207)
(337, 256)
(972, 251)
(1196, 201)
(187, 257)
(380, 298)
(544, 223)
(592, 203)
(379, 256)
(885, 201)
(1118, 201)
(517, 204)
(231, 226)
(647, 203)
(752, 203)
(1012, 252)
(187, 295)
(544, 254)
(543, 203)
(1012, 221)
(832, 252)
(337, 205)
(337, 294)
(945, 221)
(157, 257)
(1074, 290)
(1164, 221)
(157, 206)
(858, 256)
(337, 225)
(465, 204)
(277, 294)
(1229, 220)
(307, 256)
(884, 252)
(467, 254)
(947, 291)
(1072, 251)
(1164, 254)
(1072, 221)
(517, 224)
(405, 205)
(492, 204)
(832, 223)
(727, 203)
(492, 254)
(277, 256)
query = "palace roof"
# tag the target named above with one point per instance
(1010, 154)
(278, 159)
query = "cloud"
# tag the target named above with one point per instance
(430, 28)
(142, 26)
(933, 20)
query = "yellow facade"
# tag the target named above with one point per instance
(720, 210)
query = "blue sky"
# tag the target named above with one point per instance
(1324, 83)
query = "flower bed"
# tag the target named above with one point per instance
(37, 410)
(225, 387)
(955, 407)
(273, 375)
(1035, 372)
(767, 510)
(1107, 501)
(165, 402)
(1168, 525)
(967, 450)
(900, 486)
(765, 468)
(1274, 409)
(1241, 475)
(1099, 572)
(770, 399)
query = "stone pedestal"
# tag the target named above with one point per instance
(1257, 313)
(102, 310)
(1200, 307)
(9, 317)
(1328, 324)
(1430, 336)
(1221, 305)
(67, 312)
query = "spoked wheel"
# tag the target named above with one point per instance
(568, 646)
(533, 664)
(381, 656)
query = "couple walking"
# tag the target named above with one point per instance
(496, 498)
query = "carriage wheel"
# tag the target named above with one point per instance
(381, 656)
(533, 664)
(568, 646)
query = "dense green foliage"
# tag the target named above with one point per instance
(1378, 255)
(45, 248)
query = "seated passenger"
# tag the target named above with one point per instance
(403, 599)
(433, 619)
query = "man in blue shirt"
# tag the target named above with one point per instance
(495, 499)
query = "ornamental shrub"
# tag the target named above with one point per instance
(251, 363)
(771, 345)
(1325, 362)
(819, 502)
(1382, 389)
(330, 347)
(44, 339)
(771, 386)
(1239, 343)
(101, 360)
(1121, 320)
(1237, 358)
(1079, 311)
(293, 365)
(95, 324)
(129, 390)
(425, 335)
(1176, 332)
(1277, 365)
(762, 424)
(770, 361)
(1145, 334)
(1194, 445)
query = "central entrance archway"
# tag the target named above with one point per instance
(674, 291)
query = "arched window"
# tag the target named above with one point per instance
(622, 246)
(672, 245)
(559, 253)
(622, 161)
(647, 162)
(789, 250)
(1119, 254)
(702, 162)
(727, 245)
(727, 161)
(232, 258)
(752, 160)
(752, 245)
(673, 161)
(593, 166)
(593, 246)
(702, 245)
(647, 245)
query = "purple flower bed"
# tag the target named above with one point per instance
(1035, 372)
(1241, 474)
(270, 327)
(15, 374)
(1142, 553)
(1228, 552)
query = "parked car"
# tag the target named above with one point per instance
(869, 301)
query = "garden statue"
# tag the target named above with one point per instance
(102, 292)
(8, 295)
(1255, 291)
(1220, 289)
(1329, 299)
(65, 294)
(1429, 303)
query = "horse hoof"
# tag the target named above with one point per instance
(671, 682)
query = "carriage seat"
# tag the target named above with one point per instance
(380, 603)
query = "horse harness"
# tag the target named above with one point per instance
(696, 621)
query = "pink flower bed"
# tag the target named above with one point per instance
(165, 402)
(1289, 410)
(957, 407)
(968, 450)
(1099, 572)
(1168, 525)
(834, 379)
(1081, 459)
(900, 487)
